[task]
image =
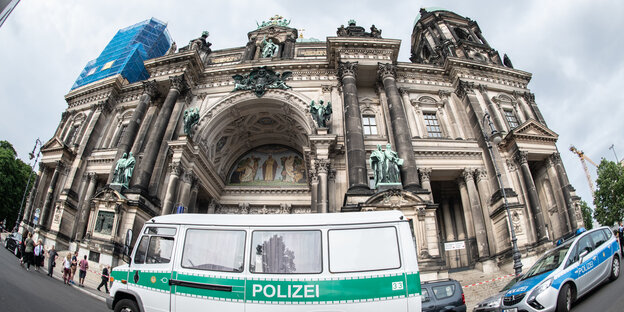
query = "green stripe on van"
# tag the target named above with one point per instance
(237, 293)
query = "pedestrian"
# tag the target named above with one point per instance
(105, 279)
(38, 255)
(74, 265)
(29, 249)
(52, 255)
(23, 248)
(67, 269)
(621, 236)
(84, 265)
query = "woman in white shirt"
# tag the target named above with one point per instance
(67, 269)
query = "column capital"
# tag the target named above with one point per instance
(403, 91)
(468, 174)
(178, 83)
(464, 88)
(481, 174)
(482, 88)
(555, 158)
(150, 88)
(521, 157)
(529, 97)
(91, 176)
(461, 182)
(189, 177)
(444, 94)
(511, 165)
(175, 168)
(347, 69)
(386, 70)
(322, 165)
(326, 88)
(425, 174)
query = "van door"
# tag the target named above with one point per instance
(151, 267)
(209, 275)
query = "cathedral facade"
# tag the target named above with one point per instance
(284, 125)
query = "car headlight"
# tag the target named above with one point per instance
(494, 303)
(540, 289)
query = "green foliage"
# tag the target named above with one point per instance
(609, 197)
(13, 177)
(587, 215)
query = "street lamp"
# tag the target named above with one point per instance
(496, 138)
(31, 155)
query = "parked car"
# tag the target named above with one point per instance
(494, 303)
(566, 273)
(443, 295)
(12, 242)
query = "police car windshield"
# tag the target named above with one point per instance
(550, 261)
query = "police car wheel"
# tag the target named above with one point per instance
(564, 300)
(126, 305)
(615, 268)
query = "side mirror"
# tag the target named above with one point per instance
(582, 255)
(126, 252)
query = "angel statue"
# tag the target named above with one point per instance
(191, 118)
(321, 113)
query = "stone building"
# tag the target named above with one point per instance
(231, 131)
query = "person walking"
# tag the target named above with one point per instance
(84, 265)
(105, 278)
(74, 266)
(29, 249)
(52, 255)
(22, 247)
(621, 237)
(38, 255)
(67, 269)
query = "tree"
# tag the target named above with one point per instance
(14, 174)
(609, 197)
(587, 215)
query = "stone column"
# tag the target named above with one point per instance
(448, 222)
(477, 215)
(193, 200)
(188, 180)
(83, 212)
(536, 209)
(465, 202)
(356, 153)
(150, 90)
(400, 129)
(565, 189)
(444, 96)
(314, 184)
(494, 111)
(459, 225)
(172, 186)
(322, 167)
(178, 85)
(45, 212)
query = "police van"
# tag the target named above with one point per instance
(358, 261)
(566, 273)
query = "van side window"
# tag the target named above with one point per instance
(347, 255)
(598, 237)
(154, 248)
(214, 250)
(286, 252)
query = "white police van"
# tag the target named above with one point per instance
(360, 261)
(565, 273)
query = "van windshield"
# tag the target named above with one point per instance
(548, 262)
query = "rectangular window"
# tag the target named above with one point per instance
(160, 231)
(139, 256)
(94, 256)
(433, 126)
(159, 250)
(599, 238)
(442, 292)
(104, 222)
(357, 250)
(71, 134)
(511, 119)
(369, 124)
(122, 131)
(286, 252)
(214, 250)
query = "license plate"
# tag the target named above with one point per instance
(511, 310)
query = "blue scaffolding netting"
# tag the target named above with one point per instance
(126, 52)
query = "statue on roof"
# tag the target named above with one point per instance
(276, 20)
(172, 49)
(201, 43)
(269, 48)
(357, 31)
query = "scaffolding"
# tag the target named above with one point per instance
(126, 52)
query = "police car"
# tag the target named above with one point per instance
(566, 273)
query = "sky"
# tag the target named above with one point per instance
(572, 47)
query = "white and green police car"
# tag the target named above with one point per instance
(361, 261)
(565, 273)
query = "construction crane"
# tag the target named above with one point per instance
(583, 158)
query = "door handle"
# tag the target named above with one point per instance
(173, 282)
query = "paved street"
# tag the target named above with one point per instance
(22, 290)
(607, 298)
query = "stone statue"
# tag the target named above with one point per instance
(172, 49)
(320, 113)
(269, 48)
(385, 165)
(391, 165)
(376, 159)
(375, 33)
(507, 61)
(342, 31)
(191, 118)
(200, 43)
(124, 169)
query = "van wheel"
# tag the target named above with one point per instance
(126, 305)
(564, 300)
(615, 268)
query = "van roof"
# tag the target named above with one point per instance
(280, 219)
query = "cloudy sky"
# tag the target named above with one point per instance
(573, 48)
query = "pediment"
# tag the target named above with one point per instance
(109, 195)
(394, 198)
(532, 130)
(53, 144)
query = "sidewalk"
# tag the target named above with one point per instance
(92, 280)
(474, 294)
